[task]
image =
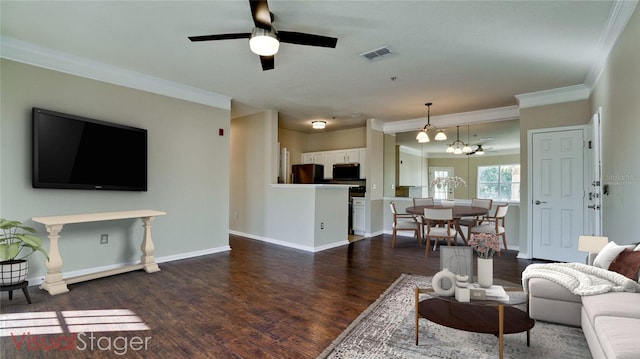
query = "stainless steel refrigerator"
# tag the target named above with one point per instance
(307, 173)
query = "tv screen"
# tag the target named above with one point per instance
(81, 153)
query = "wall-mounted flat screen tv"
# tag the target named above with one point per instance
(74, 152)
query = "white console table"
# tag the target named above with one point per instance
(53, 281)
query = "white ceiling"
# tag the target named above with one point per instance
(461, 55)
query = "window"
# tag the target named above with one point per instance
(501, 182)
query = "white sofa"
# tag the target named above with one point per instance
(610, 321)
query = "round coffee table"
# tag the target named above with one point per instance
(478, 316)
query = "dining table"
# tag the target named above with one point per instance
(459, 211)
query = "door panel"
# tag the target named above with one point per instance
(558, 195)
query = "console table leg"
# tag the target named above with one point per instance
(147, 259)
(53, 282)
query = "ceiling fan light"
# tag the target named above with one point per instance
(466, 149)
(479, 150)
(422, 136)
(440, 136)
(318, 125)
(450, 149)
(263, 42)
(457, 151)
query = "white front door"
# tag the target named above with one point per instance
(557, 193)
(593, 214)
(443, 191)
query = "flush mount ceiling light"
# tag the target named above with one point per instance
(264, 42)
(423, 136)
(458, 147)
(318, 125)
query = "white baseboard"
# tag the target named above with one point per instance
(71, 274)
(289, 244)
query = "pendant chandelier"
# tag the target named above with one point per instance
(423, 136)
(458, 147)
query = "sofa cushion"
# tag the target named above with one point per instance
(627, 263)
(618, 336)
(613, 304)
(608, 253)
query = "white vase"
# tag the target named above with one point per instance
(485, 272)
(444, 283)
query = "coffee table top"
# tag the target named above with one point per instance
(475, 316)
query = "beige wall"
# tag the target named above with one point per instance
(617, 93)
(252, 140)
(188, 169)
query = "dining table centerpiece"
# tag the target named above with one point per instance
(485, 245)
(451, 182)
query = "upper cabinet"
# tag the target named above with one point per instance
(329, 158)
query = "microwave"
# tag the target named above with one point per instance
(346, 171)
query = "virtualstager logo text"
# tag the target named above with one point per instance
(79, 341)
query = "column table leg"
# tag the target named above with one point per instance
(147, 259)
(53, 282)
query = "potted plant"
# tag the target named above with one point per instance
(14, 237)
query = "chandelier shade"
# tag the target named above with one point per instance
(423, 135)
(458, 147)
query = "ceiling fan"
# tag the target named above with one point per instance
(265, 40)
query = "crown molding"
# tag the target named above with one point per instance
(462, 118)
(618, 18)
(40, 56)
(549, 97)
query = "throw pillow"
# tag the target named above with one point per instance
(627, 263)
(607, 254)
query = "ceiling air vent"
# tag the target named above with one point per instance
(376, 54)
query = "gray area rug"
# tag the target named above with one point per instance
(386, 330)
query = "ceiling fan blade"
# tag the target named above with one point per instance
(268, 62)
(300, 38)
(260, 13)
(242, 35)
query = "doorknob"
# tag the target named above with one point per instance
(594, 207)
(538, 202)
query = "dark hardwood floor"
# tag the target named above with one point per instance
(256, 301)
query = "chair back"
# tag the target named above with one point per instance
(438, 214)
(423, 201)
(481, 202)
(447, 203)
(501, 210)
(393, 209)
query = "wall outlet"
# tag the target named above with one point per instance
(104, 239)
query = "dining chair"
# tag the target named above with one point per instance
(427, 201)
(447, 231)
(404, 222)
(476, 202)
(492, 224)
(447, 203)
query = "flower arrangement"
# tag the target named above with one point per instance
(454, 182)
(485, 244)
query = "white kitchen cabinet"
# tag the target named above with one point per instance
(307, 158)
(313, 157)
(352, 156)
(330, 158)
(358, 216)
